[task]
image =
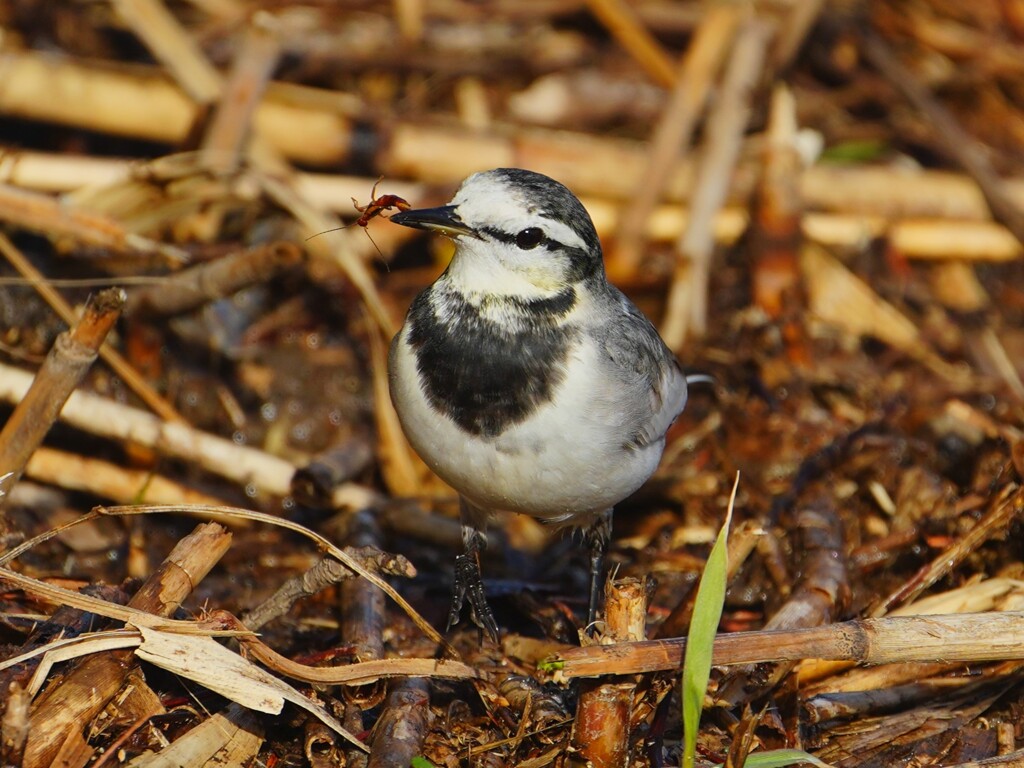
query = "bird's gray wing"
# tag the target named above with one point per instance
(653, 383)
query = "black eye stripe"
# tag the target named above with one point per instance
(513, 239)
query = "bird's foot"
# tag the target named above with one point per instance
(469, 584)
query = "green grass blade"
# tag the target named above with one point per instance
(780, 758)
(707, 612)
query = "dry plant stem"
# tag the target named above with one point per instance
(64, 310)
(954, 141)
(775, 235)
(823, 592)
(402, 727)
(687, 303)
(254, 64)
(326, 573)
(1007, 508)
(149, 106)
(363, 608)
(172, 46)
(793, 32)
(70, 704)
(192, 288)
(621, 21)
(672, 134)
(109, 481)
(889, 193)
(314, 483)
(72, 355)
(41, 213)
(601, 729)
(65, 622)
(963, 637)
(260, 471)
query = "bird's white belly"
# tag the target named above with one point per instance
(566, 459)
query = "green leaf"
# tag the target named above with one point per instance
(855, 151)
(551, 665)
(780, 758)
(421, 762)
(707, 612)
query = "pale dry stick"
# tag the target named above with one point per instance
(193, 287)
(793, 33)
(253, 65)
(686, 310)
(325, 545)
(70, 704)
(774, 236)
(110, 356)
(109, 481)
(924, 214)
(144, 104)
(409, 17)
(893, 193)
(326, 573)
(402, 727)
(700, 66)
(258, 471)
(72, 355)
(954, 141)
(1003, 512)
(173, 46)
(601, 728)
(963, 637)
(624, 25)
(41, 213)
(363, 609)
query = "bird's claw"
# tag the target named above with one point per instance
(469, 584)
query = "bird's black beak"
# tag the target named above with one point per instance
(444, 220)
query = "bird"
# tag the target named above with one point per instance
(523, 378)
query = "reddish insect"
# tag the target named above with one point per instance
(378, 205)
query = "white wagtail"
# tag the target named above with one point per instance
(523, 378)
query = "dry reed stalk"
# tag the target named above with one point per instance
(254, 63)
(106, 480)
(110, 356)
(326, 573)
(70, 704)
(775, 235)
(885, 192)
(952, 139)
(687, 304)
(623, 24)
(967, 637)
(259, 471)
(699, 68)
(142, 103)
(363, 610)
(402, 727)
(72, 355)
(1006, 507)
(192, 288)
(172, 46)
(601, 729)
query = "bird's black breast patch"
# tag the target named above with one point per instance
(487, 376)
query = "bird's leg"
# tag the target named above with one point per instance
(468, 581)
(597, 536)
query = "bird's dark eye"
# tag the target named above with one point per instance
(530, 237)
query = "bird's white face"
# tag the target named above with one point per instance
(517, 233)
